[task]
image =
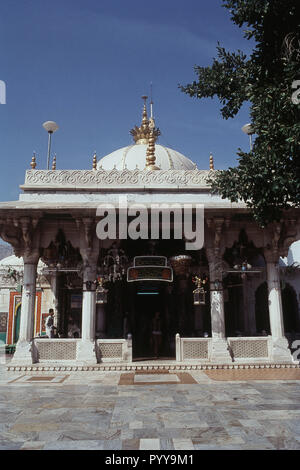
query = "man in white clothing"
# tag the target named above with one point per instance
(50, 324)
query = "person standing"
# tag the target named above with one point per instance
(50, 324)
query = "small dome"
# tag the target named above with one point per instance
(12, 261)
(293, 256)
(17, 263)
(134, 157)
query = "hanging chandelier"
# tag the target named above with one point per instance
(114, 265)
(101, 292)
(199, 292)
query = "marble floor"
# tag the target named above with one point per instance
(168, 411)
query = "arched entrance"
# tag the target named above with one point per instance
(233, 305)
(262, 309)
(150, 298)
(290, 309)
(17, 318)
(243, 260)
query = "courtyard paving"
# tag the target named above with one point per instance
(168, 411)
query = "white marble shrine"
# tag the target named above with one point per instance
(234, 301)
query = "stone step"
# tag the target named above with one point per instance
(145, 367)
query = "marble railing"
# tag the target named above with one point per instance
(242, 349)
(193, 349)
(114, 350)
(251, 348)
(65, 350)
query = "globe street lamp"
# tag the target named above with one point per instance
(248, 129)
(50, 127)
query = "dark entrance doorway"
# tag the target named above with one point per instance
(147, 301)
(289, 308)
(233, 305)
(69, 305)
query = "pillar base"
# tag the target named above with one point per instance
(24, 354)
(220, 352)
(281, 351)
(127, 356)
(86, 352)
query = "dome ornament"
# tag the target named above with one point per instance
(145, 121)
(94, 161)
(54, 163)
(150, 155)
(141, 134)
(33, 161)
(211, 162)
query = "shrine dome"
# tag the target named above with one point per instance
(133, 157)
(145, 152)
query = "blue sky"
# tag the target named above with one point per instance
(86, 63)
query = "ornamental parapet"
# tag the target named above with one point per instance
(124, 179)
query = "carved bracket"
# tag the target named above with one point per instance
(20, 233)
(215, 226)
(281, 235)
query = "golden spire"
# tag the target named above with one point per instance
(33, 161)
(145, 122)
(150, 155)
(141, 134)
(54, 163)
(211, 162)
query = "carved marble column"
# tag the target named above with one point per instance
(54, 288)
(220, 352)
(25, 353)
(281, 352)
(86, 349)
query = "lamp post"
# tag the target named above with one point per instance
(50, 127)
(248, 129)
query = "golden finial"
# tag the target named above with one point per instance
(95, 161)
(211, 162)
(141, 134)
(54, 163)
(33, 161)
(145, 121)
(150, 155)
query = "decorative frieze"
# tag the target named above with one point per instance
(83, 179)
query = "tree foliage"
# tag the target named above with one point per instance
(268, 177)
